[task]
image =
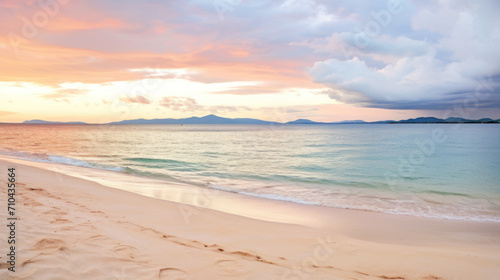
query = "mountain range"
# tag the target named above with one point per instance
(213, 119)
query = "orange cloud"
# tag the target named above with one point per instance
(64, 93)
(51, 58)
(136, 99)
(50, 65)
(53, 65)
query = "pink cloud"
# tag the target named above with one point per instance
(136, 99)
(72, 24)
(177, 103)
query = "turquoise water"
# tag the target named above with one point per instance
(454, 174)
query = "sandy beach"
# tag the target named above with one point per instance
(74, 223)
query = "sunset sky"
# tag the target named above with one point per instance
(102, 61)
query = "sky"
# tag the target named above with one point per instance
(109, 60)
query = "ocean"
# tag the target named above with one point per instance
(444, 171)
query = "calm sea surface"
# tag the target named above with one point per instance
(433, 170)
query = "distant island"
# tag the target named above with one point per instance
(213, 119)
(49, 122)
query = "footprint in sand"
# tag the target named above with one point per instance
(230, 268)
(171, 273)
(49, 245)
(125, 251)
(59, 221)
(55, 212)
(99, 237)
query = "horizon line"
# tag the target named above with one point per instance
(358, 121)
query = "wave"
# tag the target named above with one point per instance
(268, 196)
(479, 210)
(42, 157)
(153, 160)
(448, 193)
(168, 164)
(77, 162)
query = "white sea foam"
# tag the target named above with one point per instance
(59, 159)
(408, 204)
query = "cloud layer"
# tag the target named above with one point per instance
(387, 54)
(440, 56)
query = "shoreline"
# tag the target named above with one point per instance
(74, 166)
(177, 190)
(225, 235)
